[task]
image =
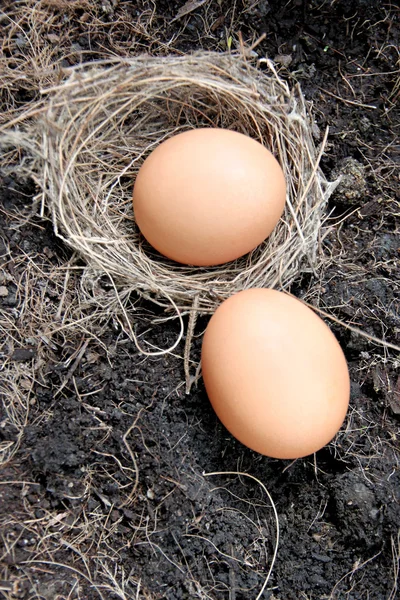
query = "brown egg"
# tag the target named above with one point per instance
(275, 374)
(207, 196)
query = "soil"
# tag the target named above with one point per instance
(105, 495)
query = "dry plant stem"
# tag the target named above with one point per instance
(395, 542)
(73, 368)
(101, 123)
(356, 567)
(188, 344)
(132, 494)
(346, 101)
(238, 473)
(367, 336)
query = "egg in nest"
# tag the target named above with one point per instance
(208, 196)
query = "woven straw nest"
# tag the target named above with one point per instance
(103, 121)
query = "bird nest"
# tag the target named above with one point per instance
(102, 122)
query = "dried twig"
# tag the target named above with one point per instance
(187, 8)
(347, 101)
(276, 545)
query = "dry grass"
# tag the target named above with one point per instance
(38, 39)
(31, 323)
(48, 540)
(59, 543)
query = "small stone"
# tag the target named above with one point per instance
(3, 291)
(352, 187)
(23, 354)
(283, 59)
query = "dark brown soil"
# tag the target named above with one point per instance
(67, 527)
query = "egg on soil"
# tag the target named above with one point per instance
(275, 374)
